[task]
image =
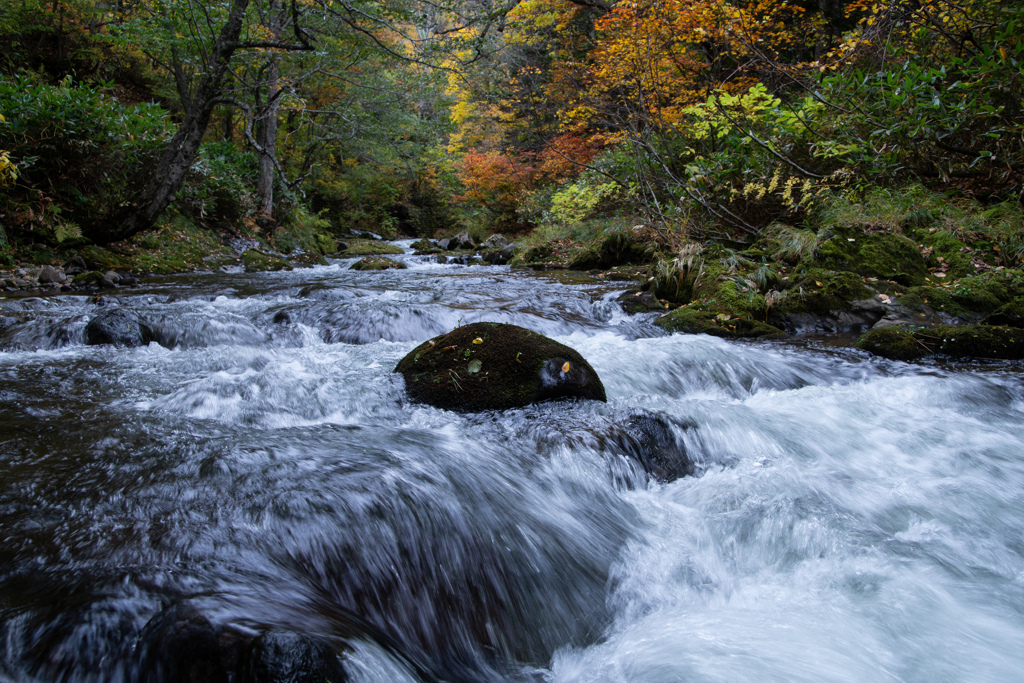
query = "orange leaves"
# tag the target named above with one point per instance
(496, 180)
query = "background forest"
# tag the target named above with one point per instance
(298, 121)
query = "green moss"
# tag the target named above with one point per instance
(968, 341)
(946, 246)
(974, 341)
(823, 291)
(971, 295)
(256, 261)
(1011, 314)
(896, 343)
(370, 248)
(493, 366)
(100, 259)
(886, 256)
(377, 263)
(692, 321)
(425, 246)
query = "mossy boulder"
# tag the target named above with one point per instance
(692, 321)
(377, 263)
(967, 341)
(1011, 314)
(896, 343)
(496, 366)
(369, 248)
(884, 255)
(823, 291)
(424, 246)
(944, 251)
(257, 261)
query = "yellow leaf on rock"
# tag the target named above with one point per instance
(565, 368)
(478, 340)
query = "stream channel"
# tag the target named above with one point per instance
(851, 518)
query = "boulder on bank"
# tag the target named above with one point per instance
(495, 366)
(119, 327)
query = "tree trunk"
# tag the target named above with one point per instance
(268, 128)
(169, 173)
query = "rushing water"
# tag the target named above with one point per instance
(852, 519)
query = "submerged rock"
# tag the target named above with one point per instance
(285, 657)
(495, 366)
(180, 645)
(119, 327)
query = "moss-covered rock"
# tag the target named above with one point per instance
(896, 343)
(883, 255)
(424, 247)
(1011, 314)
(369, 248)
(495, 366)
(823, 291)
(967, 341)
(692, 321)
(634, 301)
(377, 263)
(974, 295)
(944, 251)
(256, 261)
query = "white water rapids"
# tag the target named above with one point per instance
(853, 519)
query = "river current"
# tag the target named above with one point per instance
(851, 518)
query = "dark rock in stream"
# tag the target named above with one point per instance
(180, 645)
(119, 327)
(285, 657)
(495, 366)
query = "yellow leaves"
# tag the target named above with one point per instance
(566, 367)
(8, 171)
(478, 340)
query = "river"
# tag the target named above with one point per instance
(852, 519)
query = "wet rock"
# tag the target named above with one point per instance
(342, 246)
(494, 366)
(111, 278)
(444, 243)
(650, 438)
(49, 274)
(119, 327)
(692, 321)
(284, 657)
(180, 645)
(633, 302)
(377, 263)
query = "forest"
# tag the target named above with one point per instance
(747, 133)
